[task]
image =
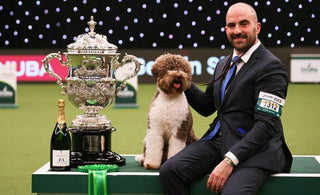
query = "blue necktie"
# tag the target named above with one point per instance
(228, 77)
(223, 90)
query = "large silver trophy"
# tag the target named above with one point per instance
(91, 85)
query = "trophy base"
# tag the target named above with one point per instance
(93, 146)
(78, 159)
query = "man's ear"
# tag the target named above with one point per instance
(258, 28)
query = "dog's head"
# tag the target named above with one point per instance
(172, 73)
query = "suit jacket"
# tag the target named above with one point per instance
(255, 137)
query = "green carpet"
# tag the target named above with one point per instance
(25, 131)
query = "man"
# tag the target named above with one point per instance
(245, 142)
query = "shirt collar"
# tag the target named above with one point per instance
(245, 58)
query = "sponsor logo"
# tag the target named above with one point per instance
(309, 69)
(5, 93)
(126, 93)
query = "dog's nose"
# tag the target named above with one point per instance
(178, 77)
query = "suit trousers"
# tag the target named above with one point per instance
(199, 159)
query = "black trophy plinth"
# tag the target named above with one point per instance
(93, 146)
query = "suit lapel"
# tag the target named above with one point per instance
(247, 66)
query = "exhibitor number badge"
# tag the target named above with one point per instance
(270, 103)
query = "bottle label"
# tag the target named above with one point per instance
(60, 158)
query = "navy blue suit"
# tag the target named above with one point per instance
(255, 137)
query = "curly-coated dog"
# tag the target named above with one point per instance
(169, 118)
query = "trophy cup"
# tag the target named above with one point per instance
(91, 85)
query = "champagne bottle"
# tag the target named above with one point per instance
(60, 148)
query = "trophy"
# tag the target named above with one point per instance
(91, 85)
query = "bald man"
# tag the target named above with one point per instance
(245, 142)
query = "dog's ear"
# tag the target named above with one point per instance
(154, 71)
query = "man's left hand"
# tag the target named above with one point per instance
(219, 177)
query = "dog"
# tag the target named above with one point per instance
(170, 123)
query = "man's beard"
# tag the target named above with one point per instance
(244, 47)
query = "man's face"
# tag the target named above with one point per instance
(241, 28)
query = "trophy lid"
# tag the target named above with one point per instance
(92, 42)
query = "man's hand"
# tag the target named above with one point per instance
(219, 176)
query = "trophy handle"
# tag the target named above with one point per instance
(46, 61)
(126, 59)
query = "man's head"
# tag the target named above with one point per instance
(242, 26)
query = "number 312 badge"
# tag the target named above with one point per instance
(270, 103)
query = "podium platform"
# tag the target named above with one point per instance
(132, 178)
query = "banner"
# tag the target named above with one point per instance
(8, 85)
(30, 67)
(203, 62)
(305, 68)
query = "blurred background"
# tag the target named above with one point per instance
(31, 29)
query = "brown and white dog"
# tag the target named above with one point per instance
(169, 118)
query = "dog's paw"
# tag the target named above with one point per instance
(140, 159)
(150, 163)
(151, 166)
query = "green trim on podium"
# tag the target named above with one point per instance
(304, 179)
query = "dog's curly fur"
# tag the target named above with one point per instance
(169, 118)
